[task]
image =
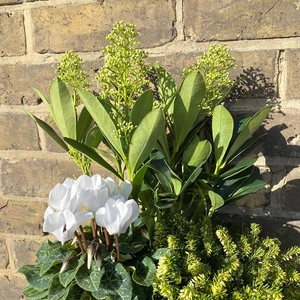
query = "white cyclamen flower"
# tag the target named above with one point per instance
(124, 189)
(63, 223)
(71, 194)
(117, 214)
(100, 194)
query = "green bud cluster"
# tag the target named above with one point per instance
(124, 74)
(214, 65)
(70, 71)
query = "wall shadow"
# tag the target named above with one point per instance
(280, 142)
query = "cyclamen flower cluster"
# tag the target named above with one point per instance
(106, 202)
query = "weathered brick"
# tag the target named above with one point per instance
(282, 136)
(24, 138)
(4, 260)
(291, 190)
(35, 177)
(262, 196)
(12, 2)
(293, 74)
(22, 217)
(16, 80)
(255, 70)
(11, 287)
(12, 33)
(240, 19)
(175, 63)
(24, 252)
(84, 27)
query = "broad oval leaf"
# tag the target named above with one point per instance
(89, 280)
(57, 291)
(63, 108)
(115, 283)
(144, 272)
(222, 129)
(196, 153)
(144, 138)
(31, 293)
(216, 200)
(142, 106)
(102, 119)
(186, 110)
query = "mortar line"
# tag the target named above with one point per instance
(179, 20)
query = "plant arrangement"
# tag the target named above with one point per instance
(174, 153)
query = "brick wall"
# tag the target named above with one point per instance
(263, 36)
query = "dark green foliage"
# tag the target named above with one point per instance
(208, 262)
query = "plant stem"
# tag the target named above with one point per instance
(83, 236)
(79, 242)
(117, 247)
(107, 239)
(95, 236)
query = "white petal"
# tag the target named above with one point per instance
(85, 182)
(53, 222)
(68, 182)
(49, 210)
(97, 181)
(59, 197)
(134, 213)
(111, 186)
(100, 214)
(101, 196)
(125, 189)
(82, 216)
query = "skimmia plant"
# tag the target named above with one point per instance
(176, 150)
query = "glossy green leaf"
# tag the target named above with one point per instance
(196, 153)
(33, 294)
(222, 129)
(89, 280)
(50, 131)
(144, 272)
(142, 106)
(238, 168)
(69, 274)
(144, 138)
(63, 108)
(93, 137)
(138, 181)
(250, 186)
(115, 283)
(32, 274)
(44, 99)
(93, 155)
(83, 124)
(186, 110)
(216, 200)
(51, 254)
(102, 119)
(247, 131)
(57, 291)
